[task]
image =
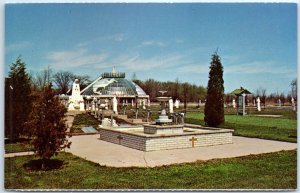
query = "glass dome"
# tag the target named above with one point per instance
(113, 84)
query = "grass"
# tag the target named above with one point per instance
(282, 129)
(83, 120)
(265, 171)
(18, 147)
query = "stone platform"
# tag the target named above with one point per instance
(192, 136)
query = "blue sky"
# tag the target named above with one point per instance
(257, 43)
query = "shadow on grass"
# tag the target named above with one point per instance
(36, 165)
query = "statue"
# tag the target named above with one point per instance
(258, 104)
(171, 106)
(233, 103)
(115, 105)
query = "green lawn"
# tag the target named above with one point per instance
(17, 147)
(283, 129)
(265, 171)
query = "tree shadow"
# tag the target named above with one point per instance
(51, 164)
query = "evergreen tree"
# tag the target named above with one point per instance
(17, 99)
(47, 124)
(214, 106)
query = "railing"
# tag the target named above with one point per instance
(113, 75)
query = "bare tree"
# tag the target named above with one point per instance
(42, 78)
(63, 80)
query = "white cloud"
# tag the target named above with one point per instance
(153, 43)
(256, 67)
(18, 46)
(114, 37)
(137, 63)
(194, 68)
(75, 58)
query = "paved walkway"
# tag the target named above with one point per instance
(109, 154)
(69, 120)
(18, 154)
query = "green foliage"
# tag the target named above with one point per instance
(282, 129)
(17, 99)
(47, 124)
(265, 171)
(214, 106)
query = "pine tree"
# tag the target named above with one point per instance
(214, 106)
(17, 99)
(47, 124)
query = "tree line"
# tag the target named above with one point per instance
(184, 91)
(62, 80)
(265, 98)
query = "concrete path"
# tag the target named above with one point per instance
(92, 148)
(18, 154)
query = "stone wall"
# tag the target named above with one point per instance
(121, 138)
(154, 143)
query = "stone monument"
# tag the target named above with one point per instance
(76, 101)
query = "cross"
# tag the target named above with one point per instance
(193, 139)
(120, 138)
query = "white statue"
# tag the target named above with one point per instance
(293, 104)
(76, 100)
(115, 105)
(279, 102)
(144, 103)
(258, 104)
(171, 106)
(233, 103)
(176, 104)
(106, 104)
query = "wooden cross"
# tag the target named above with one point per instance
(120, 138)
(193, 139)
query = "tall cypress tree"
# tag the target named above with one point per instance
(18, 99)
(214, 106)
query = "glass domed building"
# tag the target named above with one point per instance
(114, 84)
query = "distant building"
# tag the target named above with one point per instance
(114, 84)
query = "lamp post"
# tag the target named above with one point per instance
(98, 104)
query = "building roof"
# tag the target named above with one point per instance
(113, 83)
(240, 91)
